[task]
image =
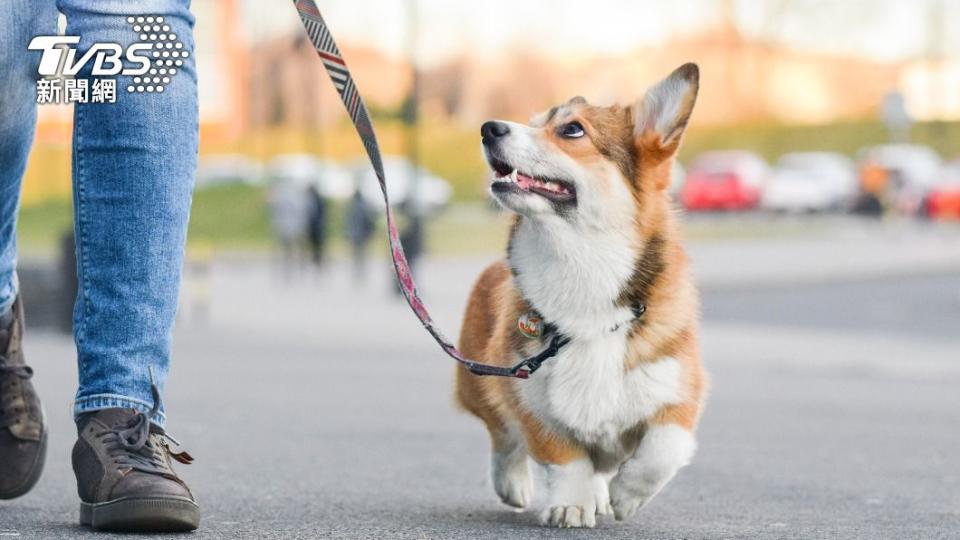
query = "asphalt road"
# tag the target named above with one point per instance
(317, 409)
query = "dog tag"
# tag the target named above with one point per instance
(530, 324)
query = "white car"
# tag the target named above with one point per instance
(403, 178)
(221, 169)
(334, 180)
(811, 182)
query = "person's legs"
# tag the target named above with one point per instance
(22, 426)
(133, 171)
(20, 20)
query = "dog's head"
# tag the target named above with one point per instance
(587, 164)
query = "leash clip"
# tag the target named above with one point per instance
(525, 368)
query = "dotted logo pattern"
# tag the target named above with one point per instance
(168, 53)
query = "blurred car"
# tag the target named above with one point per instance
(902, 174)
(221, 169)
(333, 180)
(432, 193)
(811, 182)
(724, 180)
(943, 200)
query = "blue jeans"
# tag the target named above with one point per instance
(133, 171)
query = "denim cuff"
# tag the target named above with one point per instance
(8, 294)
(113, 401)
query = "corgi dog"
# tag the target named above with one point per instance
(594, 255)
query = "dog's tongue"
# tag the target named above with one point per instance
(524, 181)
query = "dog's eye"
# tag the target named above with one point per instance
(573, 130)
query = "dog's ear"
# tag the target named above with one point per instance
(661, 116)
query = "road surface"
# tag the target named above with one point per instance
(317, 409)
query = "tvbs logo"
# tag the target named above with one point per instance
(60, 57)
(150, 62)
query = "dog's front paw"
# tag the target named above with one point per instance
(601, 493)
(572, 501)
(512, 480)
(662, 452)
(625, 502)
(570, 516)
(515, 490)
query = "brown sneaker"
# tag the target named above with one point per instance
(23, 431)
(124, 474)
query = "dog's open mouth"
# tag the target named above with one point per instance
(509, 179)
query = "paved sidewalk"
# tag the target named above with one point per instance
(849, 250)
(316, 409)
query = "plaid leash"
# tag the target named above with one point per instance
(337, 69)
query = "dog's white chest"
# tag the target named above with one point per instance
(586, 390)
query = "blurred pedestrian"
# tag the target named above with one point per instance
(134, 161)
(412, 240)
(874, 183)
(316, 223)
(360, 226)
(288, 215)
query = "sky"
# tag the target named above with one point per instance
(885, 30)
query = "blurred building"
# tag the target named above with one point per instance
(288, 85)
(246, 84)
(250, 81)
(932, 88)
(742, 80)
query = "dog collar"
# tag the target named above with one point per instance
(532, 325)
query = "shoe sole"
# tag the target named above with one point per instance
(35, 473)
(142, 514)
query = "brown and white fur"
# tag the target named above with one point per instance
(612, 416)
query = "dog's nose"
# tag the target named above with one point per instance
(493, 130)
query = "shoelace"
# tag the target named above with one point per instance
(24, 372)
(130, 445)
(9, 414)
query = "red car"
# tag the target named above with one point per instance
(944, 203)
(729, 180)
(943, 200)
